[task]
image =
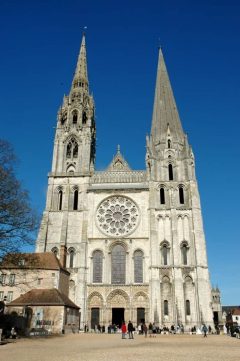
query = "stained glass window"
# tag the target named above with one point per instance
(97, 266)
(118, 264)
(138, 267)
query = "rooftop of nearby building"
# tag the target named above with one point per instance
(43, 297)
(45, 260)
(234, 310)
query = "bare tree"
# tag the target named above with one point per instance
(17, 219)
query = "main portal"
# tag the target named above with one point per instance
(117, 316)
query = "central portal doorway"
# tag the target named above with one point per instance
(117, 316)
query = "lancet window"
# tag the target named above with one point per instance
(165, 308)
(118, 264)
(60, 199)
(165, 254)
(97, 266)
(72, 253)
(55, 251)
(188, 309)
(75, 200)
(138, 266)
(185, 254)
(181, 195)
(84, 118)
(74, 117)
(162, 195)
(170, 172)
(72, 149)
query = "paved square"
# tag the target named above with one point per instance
(103, 347)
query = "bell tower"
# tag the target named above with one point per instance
(74, 146)
(179, 269)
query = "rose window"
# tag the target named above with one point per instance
(117, 216)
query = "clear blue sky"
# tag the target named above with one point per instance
(201, 42)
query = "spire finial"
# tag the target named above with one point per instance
(118, 148)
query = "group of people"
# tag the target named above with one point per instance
(127, 329)
(151, 329)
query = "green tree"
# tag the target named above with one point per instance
(17, 219)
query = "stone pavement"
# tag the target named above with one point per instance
(104, 347)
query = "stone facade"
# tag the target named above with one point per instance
(30, 271)
(134, 238)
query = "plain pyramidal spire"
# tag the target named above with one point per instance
(81, 76)
(165, 113)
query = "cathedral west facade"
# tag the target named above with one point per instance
(133, 240)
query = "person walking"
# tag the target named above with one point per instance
(154, 330)
(145, 329)
(130, 330)
(150, 329)
(204, 329)
(124, 330)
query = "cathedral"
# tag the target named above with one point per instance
(132, 240)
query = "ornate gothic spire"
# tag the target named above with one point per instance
(80, 79)
(165, 114)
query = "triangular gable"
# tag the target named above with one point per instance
(118, 163)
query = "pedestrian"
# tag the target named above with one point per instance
(124, 330)
(204, 329)
(145, 329)
(150, 329)
(154, 330)
(140, 329)
(130, 330)
(13, 333)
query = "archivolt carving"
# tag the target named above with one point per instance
(117, 298)
(95, 300)
(140, 300)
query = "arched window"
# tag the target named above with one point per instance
(72, 149)
(60, 199)
(188, 309)
(162, 196)
(75, 200)
(169, 143)
(138, 266)
(75, 150)
(184, 254)
(71, 252)
(181, 195)
(55, 251)
(74, 117)
(118, 264)
(170, 171)
(97, 266)
(84, 118)
(69, 150)
(164, 251)
(165, 308)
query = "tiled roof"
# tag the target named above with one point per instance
(43, 297)
(231, 309)
(236, 312)
(45, 260)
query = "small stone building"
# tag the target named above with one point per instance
(47, 308)
(22, 272)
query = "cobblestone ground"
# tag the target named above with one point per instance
(103, 347)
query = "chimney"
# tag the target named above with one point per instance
(63, 255)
